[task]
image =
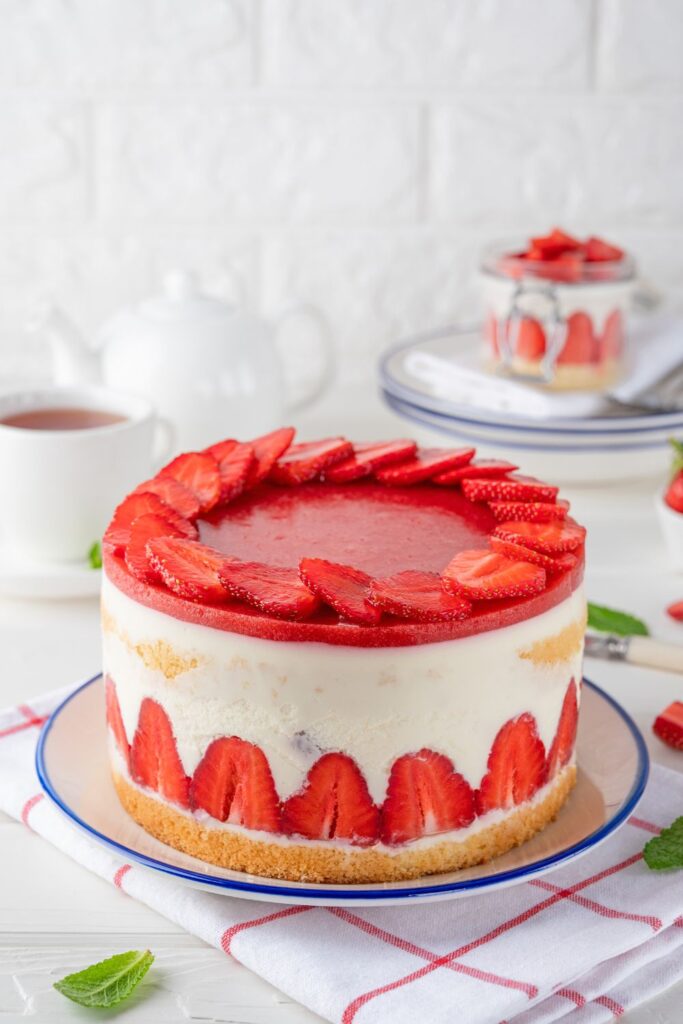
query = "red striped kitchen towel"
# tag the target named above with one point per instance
(581, 944)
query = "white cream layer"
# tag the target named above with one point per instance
(297, 700)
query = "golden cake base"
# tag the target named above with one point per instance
(302, 862)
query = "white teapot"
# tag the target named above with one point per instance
(211, 370)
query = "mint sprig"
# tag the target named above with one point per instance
(609, 620)
(677, 461)
(95, 556)
(109, 982)
(665, 851)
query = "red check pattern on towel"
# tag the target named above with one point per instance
(582, 944)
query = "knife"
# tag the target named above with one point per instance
(638, 650)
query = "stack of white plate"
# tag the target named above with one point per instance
(619, 445)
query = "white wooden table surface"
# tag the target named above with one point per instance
(56, 917)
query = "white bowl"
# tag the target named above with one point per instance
(671, 525)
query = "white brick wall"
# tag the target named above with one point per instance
(350, 153)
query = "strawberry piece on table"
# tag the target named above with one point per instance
(342, 587)
(176, 496)
(235, 464)
(425, 796)
(495, 469)
(548, 538)
(418, 595)
(516, 766)
(513, 488)
(487, 575)
(115, 719)
(334, 803)
(272, 589)
(118, 532)
(154, 756)
(267, 450)
(198, 471)
(518, 552)
(529, 511)
(367, 458)
(669, 725)
(144, 528)
(563, 744)
(188, 568)
(304, 462)
(425, 464)
(581, 347)
(675, 610)
(233, 783)
(530, 340)
(598, 251)
(674, 493)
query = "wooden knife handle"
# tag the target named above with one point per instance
(643, 650)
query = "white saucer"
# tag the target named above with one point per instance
(612, 777)
(20, 577)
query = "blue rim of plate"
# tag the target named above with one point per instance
(592, 425)
(263, 888)
(448, 424)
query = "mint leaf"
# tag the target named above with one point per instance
(665, 851)
(677, 461)
(608, 620)
(109, 982)
(95, 556)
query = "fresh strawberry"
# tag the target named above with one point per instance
(611, 340)
(115, 719)
(117, 534)
(529, 511)
(368, 457)
(549, 538)
(669, 725)
(235, 464)
(674, 493)
(516, 766)
(342, 587)
(304, 462)
(562, 746)
(425, 796)
(566, 268)
(143, 529)
(675, 610)
(425, 464)
(334, 803)
(417, 595)
(198, 471)
(530, 340)
(269, 588)
(267, 450)
(188, 568)
(487, 576)
(487, 469)
(597, 251)
(176, 496)
(518, 552)
(513, 488)
(581, 346)
(154, 756)
(233, 783)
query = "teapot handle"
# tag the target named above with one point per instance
(325, 344)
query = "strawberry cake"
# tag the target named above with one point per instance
(342, 662)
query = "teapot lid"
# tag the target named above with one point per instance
(181, 298)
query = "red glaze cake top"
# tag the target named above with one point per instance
(364, 545)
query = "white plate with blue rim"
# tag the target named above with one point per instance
(72, 764)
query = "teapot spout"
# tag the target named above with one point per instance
(73, 362)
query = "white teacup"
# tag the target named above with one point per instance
(59, 487)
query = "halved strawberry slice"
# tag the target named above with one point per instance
(564, 742)
(418, 595)
(485, 575)
(581, 346)
(270, 588)
(334, 803)
(514, 488)
(304, 462)
(530, 340)
(367, 458)
(598, 251)
(115, 719)
(675, 610)
(235, 464)
(495, 469)
(154, 756)
(516, 766)
(425, 796)
(549, 538)
(198, 471)
(552, 566)
(267, 450)
(233, 783)
(144, 528)
(117, 533)
(188, 568)
(529, 511)
(178, 497)
(669, 725)
(342, 587)
(425, 464)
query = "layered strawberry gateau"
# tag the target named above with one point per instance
(342, 662)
